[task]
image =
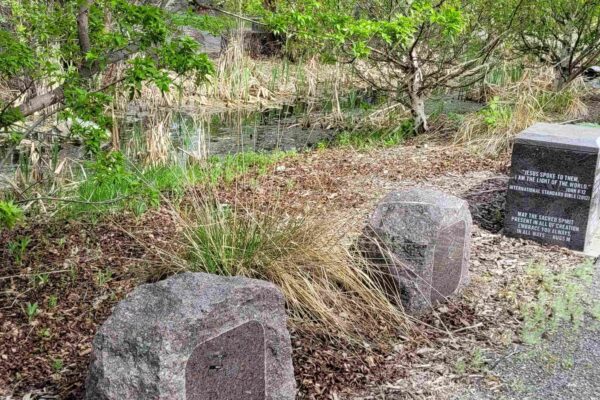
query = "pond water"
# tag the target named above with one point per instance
(175, 136)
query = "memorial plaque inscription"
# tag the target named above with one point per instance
(553, 189)
(228, 367)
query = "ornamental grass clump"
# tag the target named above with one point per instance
(327, 287)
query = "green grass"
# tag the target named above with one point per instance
(364, 140)
(505, 75)
(235, 242)
(476, 362)
(115, 185)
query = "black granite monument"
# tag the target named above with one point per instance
(553, 189)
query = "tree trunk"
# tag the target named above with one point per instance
(563, 67)
(42, 101)
(561, 77)
(415, 92)
(417, 105)
(83, 26)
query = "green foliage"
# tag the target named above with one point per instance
(495, 113)
(17, 248)
(31, 310)
(410, 49)
(52, 301)
(45, 333)
(557, 102)
(359, 28)
(203, 22)
(114, 184)
(16, 56)
(144, 69)
(233, 242)
(86, 113)
(181, 56)
(41, 42)
(505, 74)
(41, 279)
(376, 137)
(476, 363)
(10, 116)
(57, 364)
(10, 214)
(103, 277)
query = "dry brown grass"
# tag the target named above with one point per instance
(514, 106)
(241, 81)
(328, 287)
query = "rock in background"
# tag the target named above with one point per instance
(420, 241)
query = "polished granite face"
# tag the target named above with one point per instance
(195, 336)
(230, 366)
(552, 195)
(448, 261)
(420, 239)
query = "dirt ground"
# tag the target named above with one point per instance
(75, 272)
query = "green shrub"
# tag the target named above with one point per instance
(10, 214)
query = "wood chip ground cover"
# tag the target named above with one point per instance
(73, 273)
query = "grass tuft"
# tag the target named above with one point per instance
(327, 287)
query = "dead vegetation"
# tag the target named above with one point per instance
(242, 82)
(514, 103)
(327, 286)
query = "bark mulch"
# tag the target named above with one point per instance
(76, 271)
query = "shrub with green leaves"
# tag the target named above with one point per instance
(10, 214)
(407, 49)
(62, 53)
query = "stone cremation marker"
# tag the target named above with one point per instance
(195, 336)
(420, 239)
(227, 368)
(553, 189)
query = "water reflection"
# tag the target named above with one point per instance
(170, 136)
(176, 136)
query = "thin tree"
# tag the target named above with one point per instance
(561, 33)
(407, 48)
